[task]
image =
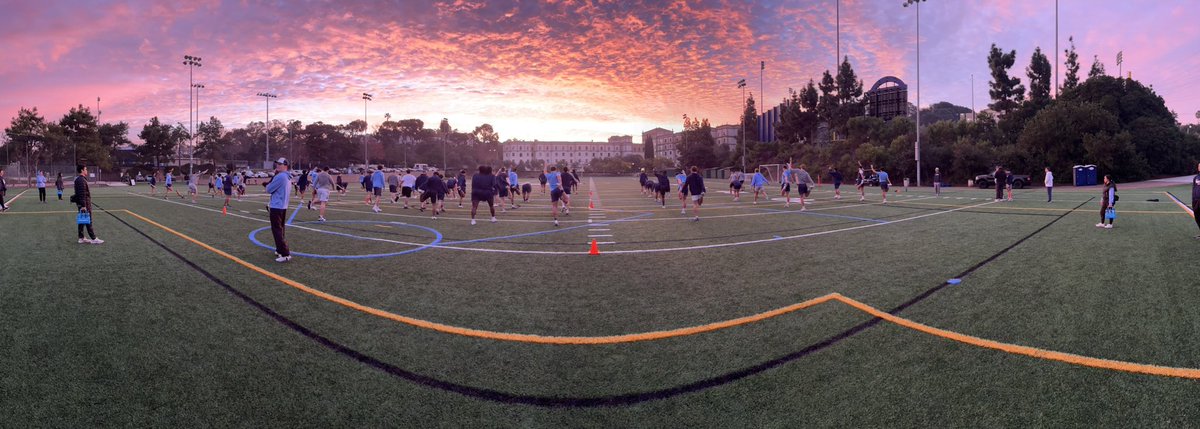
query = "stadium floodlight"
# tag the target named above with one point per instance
(267, 125)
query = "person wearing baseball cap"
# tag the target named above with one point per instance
(280, 188)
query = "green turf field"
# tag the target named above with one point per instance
(400, 320)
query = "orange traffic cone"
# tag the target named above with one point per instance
(595, 249)
(591, 205)
(223, 211)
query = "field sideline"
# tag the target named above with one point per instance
(757, 315)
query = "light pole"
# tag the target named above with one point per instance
(917, 150)
(366, 97)
(192, 134)
(445, 136)
(191, 62)
(742, 86)
(267, 125)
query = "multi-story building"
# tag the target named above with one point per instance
(766, 124)
(666, 143)
(576, 154)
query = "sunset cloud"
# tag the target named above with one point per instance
(569, 69)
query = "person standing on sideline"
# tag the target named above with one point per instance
(323, 185)
(1108, 201)
(937, 182)
(1195, 195)
(3, 190)
(1049, 186)
(58, 184)
(483, 190)
(377, 182)
(41, 185)
(884, 182)
(804, 184)
(83, 199)
(695, 187)
(837, 182)
(1000, 179)
(279, 188)
(1008, 183)
(735, 183)
(758, 183)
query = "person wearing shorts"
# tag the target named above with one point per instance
(758, 182)
(542, 179)
(302, 186)
(393, 182)
(735, 183)
(681, 181)
(804, 182)
(377, 182)
(837, 182)
(695, 187)
(227, 187)
(860, 182)
(568, 183)
(168, 181)
(785, 185)
(407, 183)
(526, 189)
(884, 182)
(435, 192)
(642, 178)
(483, 190)
(461, 181)
(323, 186)
(514, 187)
(502, 190)
(556, 191)
(663, 188)
(212, 186)
(192, 182)
(153, 183)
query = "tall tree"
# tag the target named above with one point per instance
(26, 136)
(158, 145)
(1072, 64)
(849, 88)
(809, 97)
(750, 119)
(828, 102)
(1097, 68)
(1040, 74)
(213, 140)
(83, 135)
(1006, 92)
(697, 147)
(647, 148)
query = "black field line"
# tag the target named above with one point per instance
(975, 267)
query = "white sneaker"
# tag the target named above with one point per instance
(85, 241)
(472, 221)
(803, 208)
(435, 218)
(861, 199)
(99, 241)
(493, 219)
(696, 219)
(1100, 225)
(683, 212)
(283, 258)
(1109, 226)
(320, 219)
(556, 222)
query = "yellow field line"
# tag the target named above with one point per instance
(27, 213)
(1034, 352)
(1000, 208)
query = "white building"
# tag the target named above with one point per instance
(577, 154)
(666, 142)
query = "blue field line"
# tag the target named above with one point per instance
(864, 219)
(293, 217)
(437, 239)
(551, 231)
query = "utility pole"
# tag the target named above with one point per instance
(267, 125)
(191, 62)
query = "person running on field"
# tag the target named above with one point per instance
(804, 183)
(884, 182)
(212, 186)
(695, 187)
(41, 186)
(420, 188)
(1195, 196)
(860, 182)
(193, 184)
(664, 186)
(226, 185)
(483, 190)
(323, 186)
(1049, 186)
(435, 187)
(735, 183)
(407, 183)
(1000, 179)
(153, 182)
(279, 187)
(569, 181)
(542, 179)
(514, 186)
(785, 185)
(837, 182)
(461, 181)
(377, 183)
(58, 185)
(680, 181)
(1008, 178)
(556, 191)
(83, 199)
(937, 182)
(393, 182)
(341, 186)
(312, 182)
(642, 182)
(759, 183)
(168, 181)
(302, 187)
(1108, 200)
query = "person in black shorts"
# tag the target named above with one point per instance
(568, 184)
(526, 189)
(642, 178)
(435, 192)
(542, 180)
(462, 186)
(501, 193)
(664, 187)
(837, 182)
(483, 189)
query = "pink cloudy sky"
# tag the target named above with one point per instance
(557, 69)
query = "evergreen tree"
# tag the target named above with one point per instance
(1039, 73)
(1006, 92)
(1072, 64)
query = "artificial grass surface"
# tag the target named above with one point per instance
(127, 334)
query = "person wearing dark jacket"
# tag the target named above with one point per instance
(483, 189)
(1107, 201)
(664, 187)
(1195, 196)
(83, 199)
(1001, 179)
(694, 186)
(58, 184)
(3, 190)
(435, 188)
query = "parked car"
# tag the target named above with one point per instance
(987, 181)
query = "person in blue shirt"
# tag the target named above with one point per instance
(681, 179)
(1108, 200)
(556, 191)
(785, 185)
(514, 187)
(168, 180)
(758, 182)
(41, 185)
(377, 184)
(280, 188)
(884, 182)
